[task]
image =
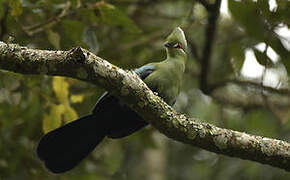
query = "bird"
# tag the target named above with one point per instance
(64, 148)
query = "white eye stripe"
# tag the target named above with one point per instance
(176, 45)
(182, 33)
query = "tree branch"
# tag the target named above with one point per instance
(258, 86)
(81, 64)
(37, 28)
(247, 94)
(205, 4)
(207, 50)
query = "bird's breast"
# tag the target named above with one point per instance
(166, 84)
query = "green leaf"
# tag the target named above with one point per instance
(60, 87)
(16, 7)
(286, 62)
(57, 114)
(89, 16)
(52, 120)
(283, 12)
(77, 98)
(53, 38)
(247, 14)
(284, 54)
(69, 114)
(277, 45)
(73, 31)
(238, 56)
(114, 16)
(263, 59)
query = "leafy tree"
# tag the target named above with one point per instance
(130, 33)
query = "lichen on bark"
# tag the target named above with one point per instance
(81, 64)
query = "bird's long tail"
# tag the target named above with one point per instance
(64, 148)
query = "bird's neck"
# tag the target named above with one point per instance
(176, 64)
(176, 56)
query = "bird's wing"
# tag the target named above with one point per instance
(144, 71)
(106, 98)
(120, 120)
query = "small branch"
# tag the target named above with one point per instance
(207, 50)
(81, 64)
(247, 94)
(34, 29)
(251, 84)
(206, 4)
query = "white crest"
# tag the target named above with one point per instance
(182, 33)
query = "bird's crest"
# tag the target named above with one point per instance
(177, 36)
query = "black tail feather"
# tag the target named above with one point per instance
(64, 148)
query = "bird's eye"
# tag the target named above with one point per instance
(178, 45)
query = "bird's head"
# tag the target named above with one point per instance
(176, 44)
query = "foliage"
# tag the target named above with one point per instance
(130, 33)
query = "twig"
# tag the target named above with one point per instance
(247, 94)
(253, 84)
(37, 28)
(206, 4)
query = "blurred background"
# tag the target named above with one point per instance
(236, 77)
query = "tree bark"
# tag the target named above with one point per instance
(126, 85)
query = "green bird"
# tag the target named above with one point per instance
(64, 148)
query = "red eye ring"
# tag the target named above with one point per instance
(179, 45)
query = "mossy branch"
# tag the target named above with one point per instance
(81, 64)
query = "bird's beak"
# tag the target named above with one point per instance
(167, 45)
